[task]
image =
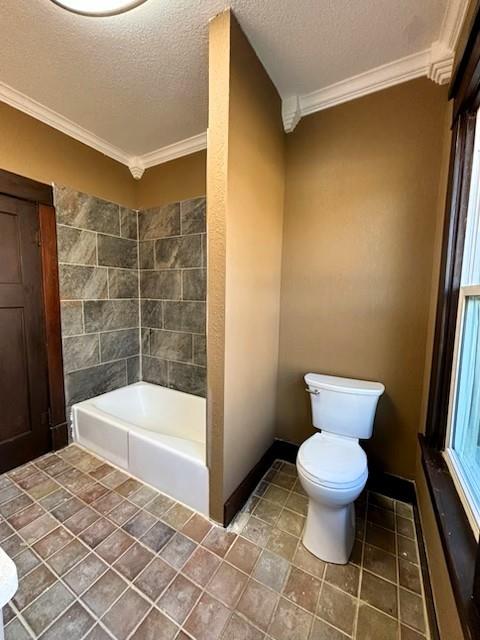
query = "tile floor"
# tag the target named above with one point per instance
(101, 556)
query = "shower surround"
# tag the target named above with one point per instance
(124, 275)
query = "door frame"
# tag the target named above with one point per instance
(42, 196)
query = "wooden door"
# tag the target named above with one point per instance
(24, 393)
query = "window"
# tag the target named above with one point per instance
(462, 443)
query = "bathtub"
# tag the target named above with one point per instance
(154, 433)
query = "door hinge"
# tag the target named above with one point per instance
(38, 238)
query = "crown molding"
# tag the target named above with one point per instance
(436, 63)
(23, 103)
(136, 164)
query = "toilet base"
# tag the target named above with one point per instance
(330, 532)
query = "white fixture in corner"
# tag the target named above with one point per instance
(98, 7)
(137, 168)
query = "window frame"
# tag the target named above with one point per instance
(461, 549)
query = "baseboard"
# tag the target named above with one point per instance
(392, 486)
(59, 434)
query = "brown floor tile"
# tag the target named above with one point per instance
(177, 551)
(227, 584)
(380, 537)
(382, 517)
(159, 505)
(67, 557)
(409, 634)
(156, 627)
(239, 629)
(13, 545)
(16, 631)
(267, 511)
(81, 520)
(5, 531)
(291, 522)
(179, 599)
(219, 541)
(48, 607)
(52, 542)
(97, 532)
(284, 480)
(123, 512)
(57, 468)
(297, 487)
(32, 585)
(125, 614)
(276, 494)
(32, 480)
(357, 551)
(74, 480)
(257, 531)
(197, 527)
(337, 608)
(9, 492)
(158, 536)
(380, 562)
(298, 503)
(25, 562)
(134, 560)
(409, 575)
(155, 578)
(405, 527)
(67, 509)
(407, 549)
(201, 566)
(102, 471)
(308, 562)
(323, 631)
(177, 516)
(84, 574)
(290, 622)
(208, 619)
(282, 543)
(38, 528)
(14, 506)
(344, 576)
(403, 509)
(243, 554)
(21, 472)
(115, 479)
(139, 524)
(379, 593)
(411, 610)
(143, 496)
(107, 502)
(114, 546)
(271, 570)
(129, 487)
(258, 603)
(380, 501)
(55, 499)
(25, 517)
(373, 625)
(103, 593)
(98, 633)
(92, 492)
(302, 589)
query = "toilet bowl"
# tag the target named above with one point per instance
(332, 466)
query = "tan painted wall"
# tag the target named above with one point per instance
(34, 150)
(178, 179)
(360, 220)
(245, 191)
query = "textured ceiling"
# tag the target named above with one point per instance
(139, 80)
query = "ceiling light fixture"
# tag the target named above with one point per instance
(98, 7)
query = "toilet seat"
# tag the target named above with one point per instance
(332, 461)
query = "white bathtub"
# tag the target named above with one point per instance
(154, 433)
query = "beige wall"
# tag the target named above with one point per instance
(178, 179)
(360, 220)
(245, 191)
(34, 150)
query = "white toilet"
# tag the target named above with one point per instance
(332, 466)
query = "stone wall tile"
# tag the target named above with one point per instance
(122, 283)
(161, 285)
(159, 222)
(187, 377)
(82, 283)
(185, 316)
(194, 284)
(179, 252)
(193, 216)
(80, 352)
(128, 223)
(123, 343)
(86, 212)
(108, 315)
(117, 252)
(155, 371)
(91, 382)
(72, 318)
(76, 246)
(170, 345)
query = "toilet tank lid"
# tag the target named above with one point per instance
(344, 385)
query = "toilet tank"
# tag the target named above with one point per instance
(342, 405)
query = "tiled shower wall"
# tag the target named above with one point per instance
(172, 242)
(98, 266)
